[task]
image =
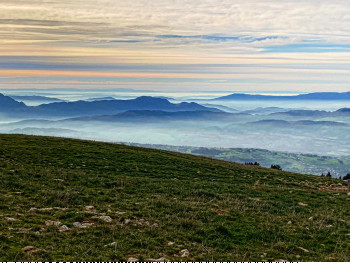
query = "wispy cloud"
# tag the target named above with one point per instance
(260, 42)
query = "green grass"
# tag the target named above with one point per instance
(216, 210)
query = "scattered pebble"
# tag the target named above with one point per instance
(132, 259)
(329, 226)
(170, 243)
(30, 249)
(11, 219)
(89, 207)
(53, 223)
(63, 228)
(107, 219)
(120, 213)
(302, 204)
(82, 225)
(311, 218)
(303, 249)
(127, 221)
(157, 260)
(289, 223)
(184, 253)
(113, 244)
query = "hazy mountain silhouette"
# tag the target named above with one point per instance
(86, 108)
(310, 96)
(156, 116)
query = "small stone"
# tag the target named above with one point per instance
(28, 248)
(302, 204)
(78, 225)
(11, 219)
(63, 228)
(329, 226)
(53, 223)
(311, 218)
(89, 207)
(132, 259)
(113, 244)
(170, 243)
(154, 225)
(45, 209)
(297, 256)
(107, 219)
(184, 253)
(127, 221)
(120, 213)
(59, 180)
(157, 260)
(32, 209)
(83, 225)
(289, 223)
(303, 249)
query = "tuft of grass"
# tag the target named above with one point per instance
(160, 203)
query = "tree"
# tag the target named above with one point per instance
(276, 167)
(347, 177)
(329, 174)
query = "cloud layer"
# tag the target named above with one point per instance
(289, 44)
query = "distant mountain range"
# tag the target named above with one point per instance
(157, 116)
(85, 108)
(282, 123)
(310, 96)
(35, 98)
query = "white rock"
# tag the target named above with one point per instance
(11, 219)
(184, 253)
(120, 213)
(89, 207)
(78, 225)
(289, 223)
(170, 243)
(302, 204)
(132, 259)
(63, 228)
(311, 218)
(53, 223)
(107, 219)
(113, 244)
(303, 249)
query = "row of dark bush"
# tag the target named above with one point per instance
(273, 166)
(346, 177)
(278, 167)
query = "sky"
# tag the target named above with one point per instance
(176, 45)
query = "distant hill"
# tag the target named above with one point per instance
(314, 113)
(35, 98)
(85, 108)
(8, 104)
(282, 123)
(310, 96)
(101, 98)
(156, 116)
(76, 200)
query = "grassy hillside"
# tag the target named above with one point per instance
(63, 199)
(293, 162)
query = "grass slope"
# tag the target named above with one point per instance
(293, 162)
(161, 203)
